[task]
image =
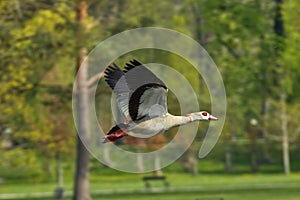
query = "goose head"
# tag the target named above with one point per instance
(202, 116)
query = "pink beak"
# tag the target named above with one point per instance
(212, 118)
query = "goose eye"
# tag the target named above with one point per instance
(204, 113)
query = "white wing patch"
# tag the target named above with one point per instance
(153, 103)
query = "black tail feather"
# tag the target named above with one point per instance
(117, 128)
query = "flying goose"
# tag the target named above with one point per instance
(142, 98)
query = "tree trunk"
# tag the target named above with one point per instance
(81, 187)
(190, 164)
(48, 168)
(264, 129)
(140, 161)
(252, 132)
(59, 192)
(228, 161)
(254, 164)
(106, 148)
(285, 138)
(59, 171)
(195, 166)
(158, 171)
(106, 155)
(280, 32)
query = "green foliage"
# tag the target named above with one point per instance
(34, 42)
(291, 59)
(22, 164)
(37, 67)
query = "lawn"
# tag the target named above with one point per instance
(258, 194)
(182, 186)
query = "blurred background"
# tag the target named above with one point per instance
(255, 44)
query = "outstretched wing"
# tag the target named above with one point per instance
(148, 101)
(140, 93)
(148, 94)
(115, 78)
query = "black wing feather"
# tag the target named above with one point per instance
(133, 63)
(112, 75)
(138, 75)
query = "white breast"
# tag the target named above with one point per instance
(148, 128)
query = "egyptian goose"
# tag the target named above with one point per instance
(142, 99)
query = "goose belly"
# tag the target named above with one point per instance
(147, 128)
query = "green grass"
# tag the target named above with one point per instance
(263, 194)
(182, 186)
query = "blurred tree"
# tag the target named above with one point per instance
(81, 186)
(290, 14)
(34, 37)
(231, 37)
(287, 74)
(254, 43)
(281, 73)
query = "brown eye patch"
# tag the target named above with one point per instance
(204, 113)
